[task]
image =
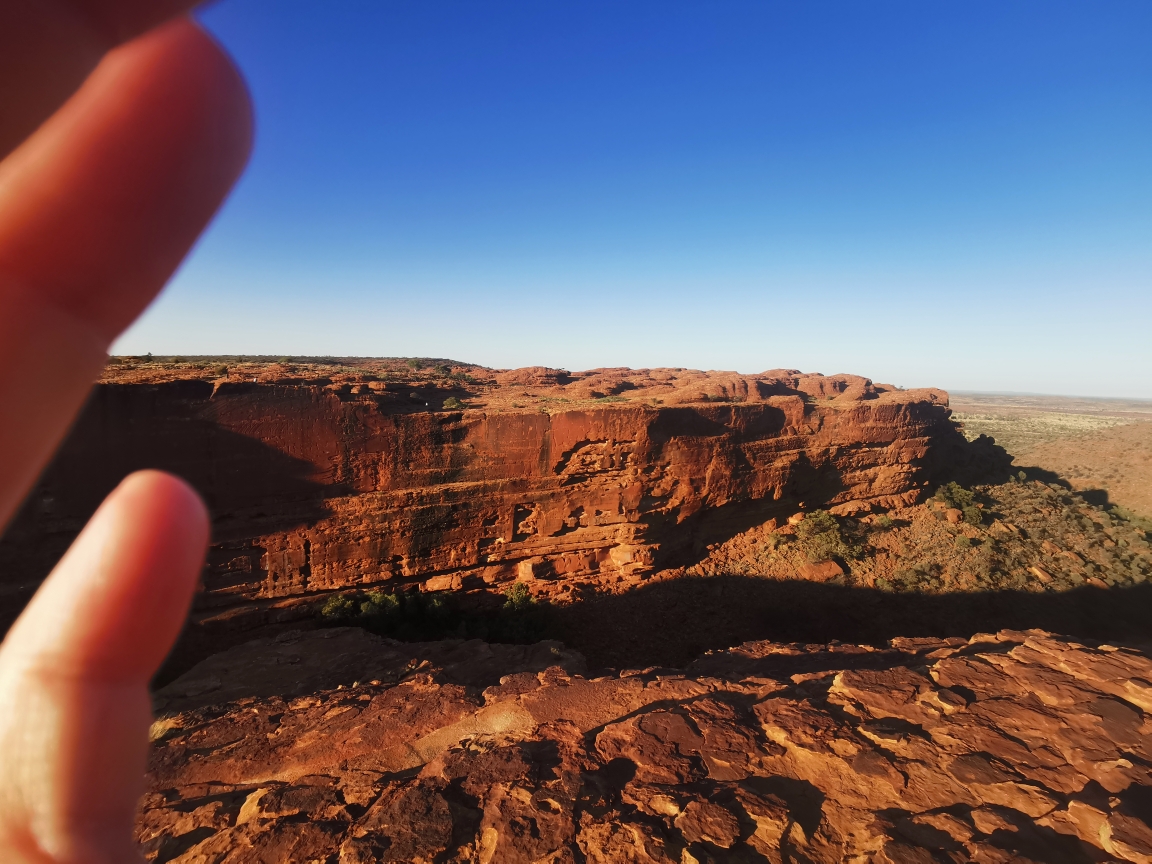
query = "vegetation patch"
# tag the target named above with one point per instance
(413, 616)
(1140, 523)
(822, 539)
(955, 496)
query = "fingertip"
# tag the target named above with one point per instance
(177, 508)
(102, 203)
(161, 529)
(116, 602)
(227, 101)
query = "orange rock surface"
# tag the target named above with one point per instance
(462, 478)
(1018, 746)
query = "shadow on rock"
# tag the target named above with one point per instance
(671, 622)
(169, 428)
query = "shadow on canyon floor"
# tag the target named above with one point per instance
(670, 623)
(1095, 497)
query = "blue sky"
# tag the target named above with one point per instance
(955, 194)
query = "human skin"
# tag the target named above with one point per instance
(123, 127)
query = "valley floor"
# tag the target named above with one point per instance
(1102, 447)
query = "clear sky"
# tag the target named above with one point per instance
(955, 194)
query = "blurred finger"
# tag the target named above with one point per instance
(48, 47)
(97, 209)
(74, 670)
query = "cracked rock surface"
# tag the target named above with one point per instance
(1015, 746)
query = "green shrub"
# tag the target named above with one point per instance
(339, 607)
(413, 363)
(1021, 476)
(1132, 518)
(907, 579)
(821, 538)
(522, 619)
(518, 598)
(962, 542)
(453, 404)
(404, 614)
(417, 616)
(918, 578)
(221, 370)
(380, 608)
(956, 496)
(441, 369)
(883, 521)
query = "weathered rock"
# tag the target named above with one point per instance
(821, 571)
(1017, 746)
(548, 477)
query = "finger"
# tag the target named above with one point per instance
(115, 602)
(74, 672)
(97, 209)
(48, 47)
(99, 206)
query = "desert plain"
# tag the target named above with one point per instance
(1103, 446)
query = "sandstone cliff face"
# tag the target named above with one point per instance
(1017, 746)
(317, 485)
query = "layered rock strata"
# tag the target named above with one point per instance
(1018, 746)
(460, 483)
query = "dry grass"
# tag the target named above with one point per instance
(1019, 431)
(1100, 445)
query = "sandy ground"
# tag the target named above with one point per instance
(1101, 445)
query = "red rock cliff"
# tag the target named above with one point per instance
(322, 483)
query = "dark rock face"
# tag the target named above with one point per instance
(321, 486)
(1019, 746)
